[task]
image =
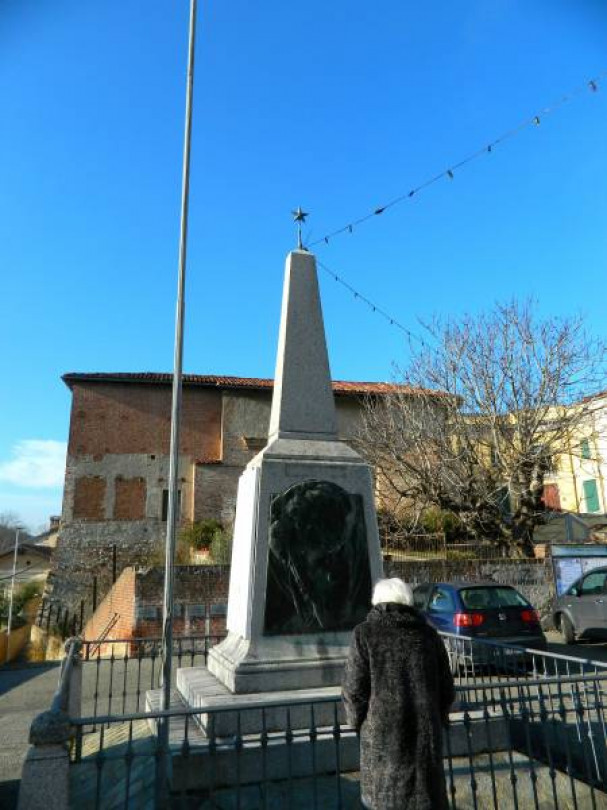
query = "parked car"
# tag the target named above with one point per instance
(481, 610)
(582, 610)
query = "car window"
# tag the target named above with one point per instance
(488, 598)
(442, 600)
(420, 595)
(593, 583)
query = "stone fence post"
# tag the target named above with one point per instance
(45, 776)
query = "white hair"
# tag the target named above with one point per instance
(392, 590)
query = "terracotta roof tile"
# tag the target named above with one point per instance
(221, 382)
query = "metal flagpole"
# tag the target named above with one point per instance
(173, 501)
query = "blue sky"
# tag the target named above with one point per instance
(337, 107)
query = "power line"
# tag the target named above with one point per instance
(592, 85)
(372, 306)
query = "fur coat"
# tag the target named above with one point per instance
(397, 691)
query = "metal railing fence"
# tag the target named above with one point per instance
(538, 744)
(472, 658)
(118, 673)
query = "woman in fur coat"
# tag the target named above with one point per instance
(397, 692)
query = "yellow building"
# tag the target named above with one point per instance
(576, 480)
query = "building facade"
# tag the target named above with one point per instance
(576, 479)
(116, 481)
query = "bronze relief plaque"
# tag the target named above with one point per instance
(319, 578)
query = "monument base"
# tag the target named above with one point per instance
(281, 663)
(254, 740)
(255, 713)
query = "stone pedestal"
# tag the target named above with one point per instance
(315, 594)
(306, 548)
(305, 555)
(253, 713)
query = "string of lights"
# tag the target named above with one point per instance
(592, 85)
(373, 307)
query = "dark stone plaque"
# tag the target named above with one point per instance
(318, 562)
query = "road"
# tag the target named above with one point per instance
(24, 693)
(28, 690)
(591, 650)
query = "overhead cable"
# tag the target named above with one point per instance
(534, 121)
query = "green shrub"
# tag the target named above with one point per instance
(439, 521)
(221, 548)
(200, 534)
(21, 596)
(182, 553)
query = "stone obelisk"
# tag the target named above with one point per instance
(306, 549)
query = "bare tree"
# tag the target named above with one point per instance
(9, 521)
(472, 424)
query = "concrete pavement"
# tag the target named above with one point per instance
(24, 693)
(27, 690)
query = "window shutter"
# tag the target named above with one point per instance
(591, 496)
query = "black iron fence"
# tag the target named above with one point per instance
(58, 619)
(528, 730)
(535, 745)
(117, 674)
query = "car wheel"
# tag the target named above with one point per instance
(567, 630)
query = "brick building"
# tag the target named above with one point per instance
(132, 608)
(116, 476)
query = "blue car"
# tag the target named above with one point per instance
(481, 610)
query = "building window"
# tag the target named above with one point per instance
(551, 497)
(195, 611)
(129, 499)
(89, 498)
(503, 501)
(591, 496)
(585, 448)
(165, 504)
(148, 613)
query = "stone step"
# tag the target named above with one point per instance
(252, 713)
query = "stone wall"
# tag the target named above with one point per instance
(117, 469)
(533, 578)
(201, 596)
(215, 488)
(201, 600)
(84, 552)
(122, 487)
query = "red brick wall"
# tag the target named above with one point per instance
(129, 503)
(194, 585)
(89, 494)
(114, 418)
(121, 600)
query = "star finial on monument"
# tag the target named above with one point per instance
(299, 216)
